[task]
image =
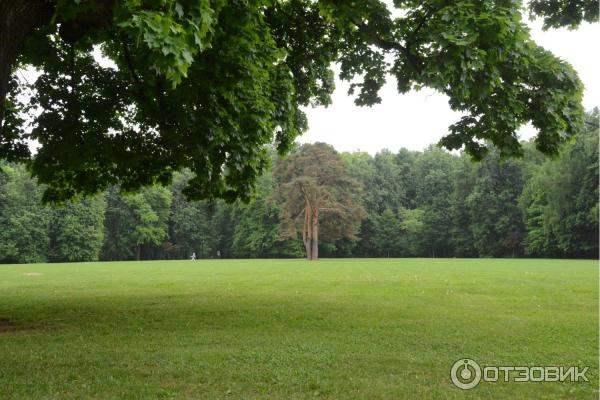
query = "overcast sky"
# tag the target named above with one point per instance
(417, 119)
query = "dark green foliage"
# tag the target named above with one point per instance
(388, 233)
(561, 200)
(77, 230)
(416, 204)
(190, 224)
(569, 13)
(198, 84)
(136, 224)
(461, 217)
(205, 84)
(257, 227)
(434, 174)
(118, 224)
(366, 244)
(496, 221)
(386, 189)
(24, 223)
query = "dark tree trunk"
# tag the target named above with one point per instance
(18, 18)
(315, 236)
(310, 231)
(307, 231)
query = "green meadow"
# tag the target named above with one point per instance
(293, 329)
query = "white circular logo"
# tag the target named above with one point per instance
(465, 374)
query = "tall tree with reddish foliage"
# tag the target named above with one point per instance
(317, 197)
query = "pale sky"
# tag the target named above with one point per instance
(418, 119)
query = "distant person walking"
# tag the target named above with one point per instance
(193, 258)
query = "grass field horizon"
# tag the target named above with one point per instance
(293, 329)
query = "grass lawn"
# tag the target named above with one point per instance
(290, 329)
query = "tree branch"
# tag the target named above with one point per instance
(387, 44)
(18, 19)
(131, 68)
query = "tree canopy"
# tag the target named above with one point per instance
(561, 13)
(317, 197)
(205, 84)
(533, 206)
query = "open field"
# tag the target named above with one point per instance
(289, 329)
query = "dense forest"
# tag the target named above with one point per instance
(405, 204)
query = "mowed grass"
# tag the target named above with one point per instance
(290, 329)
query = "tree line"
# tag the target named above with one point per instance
(404, 204)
